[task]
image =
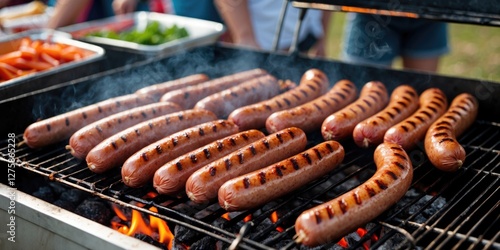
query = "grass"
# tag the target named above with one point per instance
(475, 49)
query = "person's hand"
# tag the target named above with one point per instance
(124, 6)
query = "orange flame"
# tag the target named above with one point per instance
(226, 216)
(157, 228)
(361, 232)
(274, 219)
(248, 218)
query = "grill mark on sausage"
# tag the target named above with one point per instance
(329, 211)
(361, 107)
(99, 129)
(440, 98)
(67, 121)
(410, 92)
(404, 104)
(343, 206)
(318, 107)
(455, 112)
(280, 137)
(212, 171)
(307, 157)
(406, 98)
(99, 109)
(144, 114)
(390, 114)
(310, 86)
(175, 141)
(297, 97)
(463, 108)
(400, 156)
(227, 163)
(437, 103)
(356, 198)
(412, 123)
(354, 111)
(266, 143)
(158, 149)
(369, 104)
(391, 174)
(178, 165)
(404, 128)
(380, 117)
(370, 191)
(381, 184)
(419, 118)
(244, 135)
(440, 134)
(330, 147)
(341, 95)
(434, 110)
(201, 132)
(278, 171)
(446, 139)
(373, 98)
(290, 132)
(399, 165)
(253, 150)
(262, 177)
(269, 107)
(137, 132)
(240, 157)
(207, 154)
(84, 115)
(186, 95)
(398, 110)
(150, 125)
(317, 216)
(167, 120)
(396, 148)
(288, 103)
(124, 138)
(145, 157)
(232, 93)
(451, 118)
(426, 113)
(318, 154)
(48, 127)
(193, 158)
(220, 146)
(442, 128)
(113, 144)
(295, 164)
(181, 117)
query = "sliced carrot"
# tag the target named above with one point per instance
(47, 58)
(6, 75)
(10, 57)
(37, 65)
(9, 67)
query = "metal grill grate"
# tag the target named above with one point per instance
(440, 211)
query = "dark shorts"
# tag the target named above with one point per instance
(372, 39)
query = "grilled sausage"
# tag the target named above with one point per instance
(156, 91)
(261, 186)
(310, 116)
(403, 103)
(139, 168)
(171, 178)
(339, 125)
(313, 84)
(187, 97)
(202, 186)
(114, 150)
(336, 218)
(441, 145)
(246, 93)
(60, 127)
(86, 138)
(409, 132)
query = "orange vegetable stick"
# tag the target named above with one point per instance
(6, 75)
(47, 58)
(25, 64)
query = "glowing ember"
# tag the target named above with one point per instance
(361, 232)
(274, 219)
(226, 216)
(248, 218)
(343, 243)
(156, 229)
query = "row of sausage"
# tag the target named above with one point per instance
(202, 137)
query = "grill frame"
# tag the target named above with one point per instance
(220, 60)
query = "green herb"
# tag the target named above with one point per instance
(153, 34)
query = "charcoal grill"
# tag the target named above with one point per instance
(441, 210)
